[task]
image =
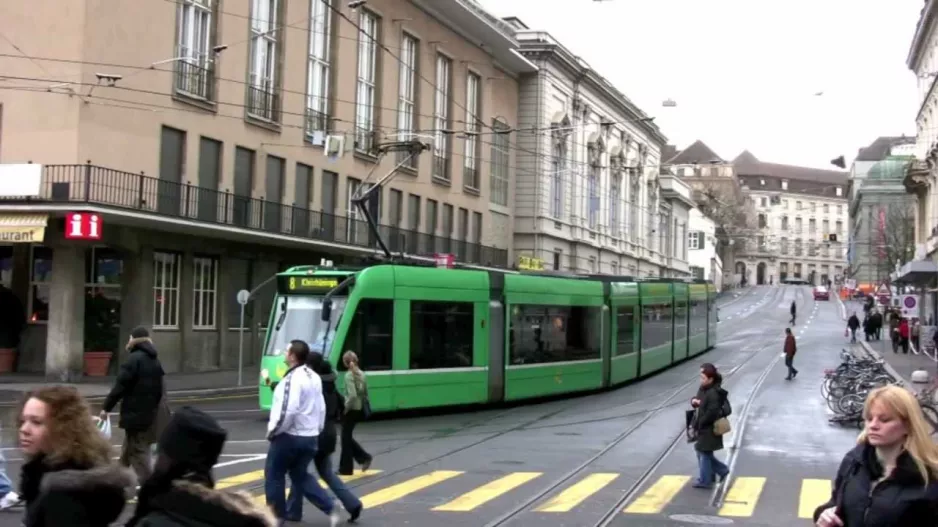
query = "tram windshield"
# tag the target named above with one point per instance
(302, 320)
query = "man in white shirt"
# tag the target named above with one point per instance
(297, 416)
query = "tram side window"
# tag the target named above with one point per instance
(370, 335)
(656, 325)
(625, 330)
(543, 334)
(441, 334)
(680, 320)
(698, 318)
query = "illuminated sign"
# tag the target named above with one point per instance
(312, 285)
(526, 263)
(82, 226)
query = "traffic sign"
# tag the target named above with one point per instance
(883, 290)
(909, 306)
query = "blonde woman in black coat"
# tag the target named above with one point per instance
(890, 479)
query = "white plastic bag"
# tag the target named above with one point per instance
(104, 426)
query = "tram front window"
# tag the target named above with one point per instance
(302, 320)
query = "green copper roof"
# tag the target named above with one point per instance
(893, 167)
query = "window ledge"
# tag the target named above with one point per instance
(194, 100)
(442, 181)
(471, 190)
(261, 122)
(361, 155)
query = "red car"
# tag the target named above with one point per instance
(821, 293)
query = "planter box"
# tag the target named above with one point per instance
(7, 359)
(97, 362)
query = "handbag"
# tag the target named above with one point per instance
(690, 426)
(721, 426)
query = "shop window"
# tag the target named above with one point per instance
(166, 268)
(657, 325)
(205, 287)
(6, 266)
(369, 335)
(544, 334)
(441, 335)
(103, 270)
(39, 283)
(625, 330)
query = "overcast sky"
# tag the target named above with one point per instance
(744, 73)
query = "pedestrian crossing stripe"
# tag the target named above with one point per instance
(741, 499)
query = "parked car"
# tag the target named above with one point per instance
(821, 293)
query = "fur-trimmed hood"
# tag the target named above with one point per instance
(70, 495)
(143, 344)
(191, 504)
(110, 476)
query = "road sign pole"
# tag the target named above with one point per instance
(243, 297)
(241, 347)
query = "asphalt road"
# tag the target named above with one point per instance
(580, 461)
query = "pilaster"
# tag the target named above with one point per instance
(66, 330)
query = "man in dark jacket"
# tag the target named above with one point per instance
(335, 408)
(790, 349)
(794, 312)
(139, 388)
(853, 323)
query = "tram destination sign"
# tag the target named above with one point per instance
(307, 285)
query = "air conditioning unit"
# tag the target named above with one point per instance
(335, 145)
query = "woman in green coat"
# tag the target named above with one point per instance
(357, 408)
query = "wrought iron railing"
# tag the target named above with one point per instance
(114, 188)
(264, 102)
(196, 80)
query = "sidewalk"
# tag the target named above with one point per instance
(899, 365)
(201, 384)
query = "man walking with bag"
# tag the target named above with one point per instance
(144, 410)
(790, 349)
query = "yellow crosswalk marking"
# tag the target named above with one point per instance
(487, 492)
(575, 494)
(395, 492)
(262, 499)
(814, 492)
(653, 500)
(741, 500)
(240, 479)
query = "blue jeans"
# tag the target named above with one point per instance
(292, 455)
(6, 486)
(710, 466)
(336, 485)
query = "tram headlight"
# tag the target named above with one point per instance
(265, 376)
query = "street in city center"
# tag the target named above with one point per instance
(618, 455)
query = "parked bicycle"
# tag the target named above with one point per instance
(847, 386)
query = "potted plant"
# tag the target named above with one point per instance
(102, 322)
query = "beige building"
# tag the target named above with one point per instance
(199, 131)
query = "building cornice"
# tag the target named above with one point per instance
(542, 45)
(922, 30)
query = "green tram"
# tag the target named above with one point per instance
(436, 337)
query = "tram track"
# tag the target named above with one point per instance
(529, 423)
(607, 518)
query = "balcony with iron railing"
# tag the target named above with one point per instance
(106, 187)
(195, 79)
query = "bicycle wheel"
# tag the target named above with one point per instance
(850, 404)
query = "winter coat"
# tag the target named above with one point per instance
(68, 494)
(188, 504)
(335, 407)
(901, 500)
(356, 389)
(853, 323)
(711, 408)
(790, 347)
(139, 387)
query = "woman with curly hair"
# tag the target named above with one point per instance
(68, 478)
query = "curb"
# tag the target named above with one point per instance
(876, 356)
(202, 392)
(194, 394)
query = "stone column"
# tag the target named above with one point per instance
(65, 339)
